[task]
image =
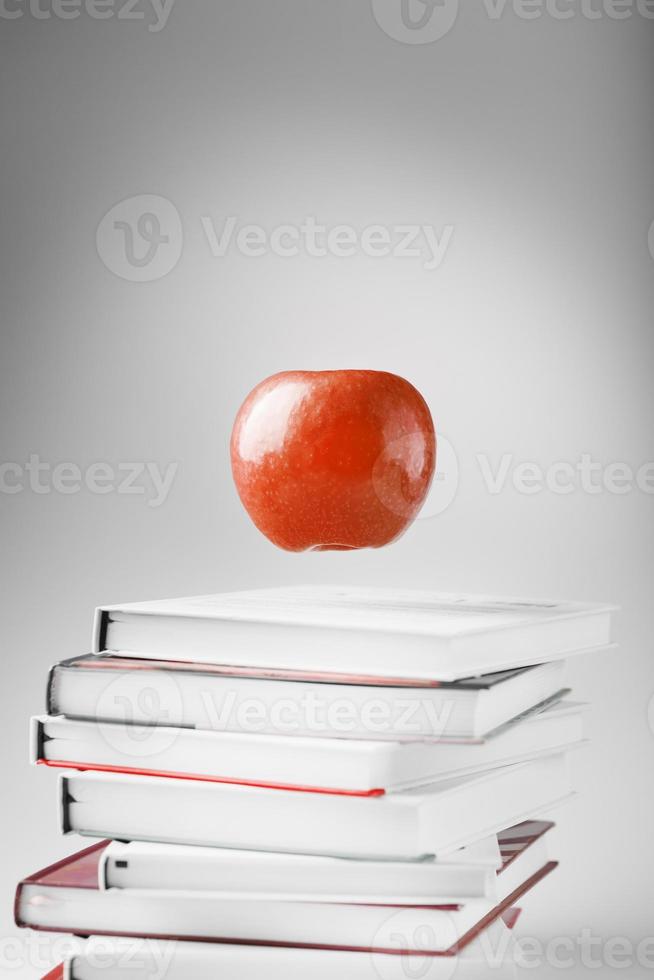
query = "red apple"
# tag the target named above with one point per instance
(333, 460)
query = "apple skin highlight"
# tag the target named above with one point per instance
(333, 460)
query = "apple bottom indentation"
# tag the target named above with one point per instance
(334, 547)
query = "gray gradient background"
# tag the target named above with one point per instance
(534, 140)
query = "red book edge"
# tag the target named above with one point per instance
(137, 771)
(116, 662)
(510, 918)
(514, 841)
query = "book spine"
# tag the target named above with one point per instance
(50, 703)
(37, 739)
(99, 637)
(64, 805)
(17, 905)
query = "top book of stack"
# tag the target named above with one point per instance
(366, 634)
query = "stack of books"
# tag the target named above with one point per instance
(309, 782)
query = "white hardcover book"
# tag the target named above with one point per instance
(382, 632)
(405, 825)
(486, 869)
(470, 872)
(281, 702)
(233, 918)
(491, 956)
(330, 764)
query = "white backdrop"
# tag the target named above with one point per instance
(519, 149)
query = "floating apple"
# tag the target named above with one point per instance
(333, 460)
